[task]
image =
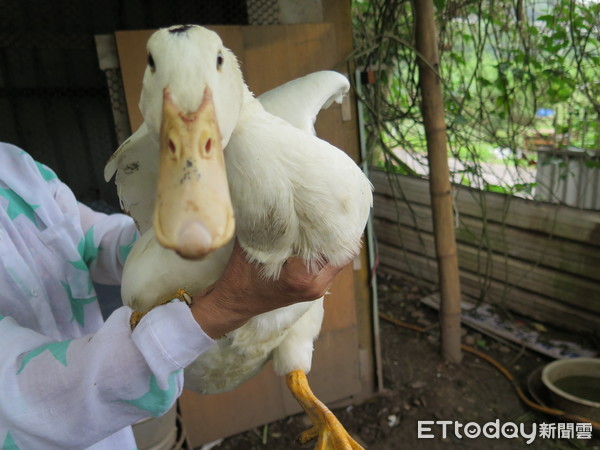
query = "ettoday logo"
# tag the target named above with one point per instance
(429, 429)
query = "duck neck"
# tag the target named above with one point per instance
(247, 97)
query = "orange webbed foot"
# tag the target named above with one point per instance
(327, 429)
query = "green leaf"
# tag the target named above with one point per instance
(484, 81)
(503, 66)
(591, 164)
(460, 120)
(524, 187)
(457, 57)
(518, 73)
(560, 35)
(440, 4)
(548, 18)
(496, 188)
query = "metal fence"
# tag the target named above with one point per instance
(570, 177)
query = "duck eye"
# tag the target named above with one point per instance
(220, 60)
(151, 63)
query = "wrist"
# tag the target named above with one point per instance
(217, 315)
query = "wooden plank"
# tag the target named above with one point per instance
(131, 46)
(340, 309)
(423, 270)
(307, 50)
(554, 220)
(337, 13)
(403, 237)
(341, 130)
(563, 255)
(565, 288)
(368, 342)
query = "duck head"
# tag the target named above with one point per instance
(192, 95)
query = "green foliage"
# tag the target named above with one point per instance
(500, 62)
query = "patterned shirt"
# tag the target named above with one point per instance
(68, 379)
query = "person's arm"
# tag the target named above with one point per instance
(74, 393)
(58, 387)
(108, 239)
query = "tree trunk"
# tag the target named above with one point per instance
(432, 107)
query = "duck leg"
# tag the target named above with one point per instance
(329, 431)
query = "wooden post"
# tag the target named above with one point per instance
(432, 108)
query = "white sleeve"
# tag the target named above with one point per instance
(71, 394)
(67, 379)
(108, 241)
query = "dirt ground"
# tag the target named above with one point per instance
(419, 387)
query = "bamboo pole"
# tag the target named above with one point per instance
(432, 107)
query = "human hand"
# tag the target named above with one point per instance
(241, 293)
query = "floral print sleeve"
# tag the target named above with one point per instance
(68, 379)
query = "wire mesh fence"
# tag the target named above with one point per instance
(55, 102)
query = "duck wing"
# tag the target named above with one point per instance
(135, 168)
(299, 101)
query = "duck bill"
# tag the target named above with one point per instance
(193, 213)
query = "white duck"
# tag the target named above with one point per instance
(292, 194)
